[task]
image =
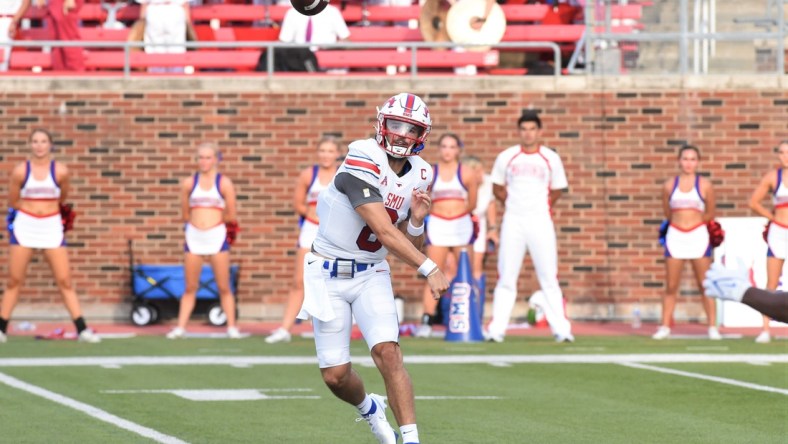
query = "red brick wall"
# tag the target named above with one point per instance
(127, 151)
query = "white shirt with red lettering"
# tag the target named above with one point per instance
(529, 178)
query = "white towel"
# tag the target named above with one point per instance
(316, 301)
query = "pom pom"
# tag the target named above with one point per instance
(67, 216)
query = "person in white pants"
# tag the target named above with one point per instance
(529, 179)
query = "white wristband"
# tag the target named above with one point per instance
(415, 231)
(427, 267)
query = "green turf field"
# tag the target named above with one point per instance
(526, 390)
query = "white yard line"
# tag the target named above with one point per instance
(86, 361)
(265, 390)
(670, 371)
(89, 410)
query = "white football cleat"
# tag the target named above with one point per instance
(88, 336)
(2, 338)
(662, 333)
(278, 335)
(714, 334)
(763, 338)
(176, 333)
(376, 418)
(233, 333)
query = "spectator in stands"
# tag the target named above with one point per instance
(63, 18)
(208, 210)
(450, 226)
(327, 27)
(166, 21)
(311, 182)
(11, 13)
(38, 218)
(562, 12)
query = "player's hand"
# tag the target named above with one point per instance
(420, 203)
(68, 4)
(12, 29)
(438, 283)
(729, 284)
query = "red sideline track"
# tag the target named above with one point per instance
(579, 329)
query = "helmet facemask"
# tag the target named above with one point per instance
(402, 138)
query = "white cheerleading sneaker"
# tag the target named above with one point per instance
(89, 336)
(376, 418)
(662, 333)
(176, 333)
(278, 335)
(714, 334)
(424, 331)
(233, 333)
(763, 338)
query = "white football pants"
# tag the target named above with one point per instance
(536, 235)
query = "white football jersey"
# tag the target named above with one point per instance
(528, 178)
(343, 234)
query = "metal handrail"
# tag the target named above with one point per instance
(269, 46)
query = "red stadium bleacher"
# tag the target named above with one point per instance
(251, 13)
(92, 12)
(384, 34)
(235, 25)
(524, 13)
(244, 34)
(92, 34)
(393, 13)
(246, 60)
(239, 60)
(425, 58)
(543, 33)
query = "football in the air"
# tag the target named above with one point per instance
(309, 7)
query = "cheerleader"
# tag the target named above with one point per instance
(37, 219)
(487, 214)
(688, 203)
(450, 226)
(208, 207)
(310, 183)
(776, 233)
